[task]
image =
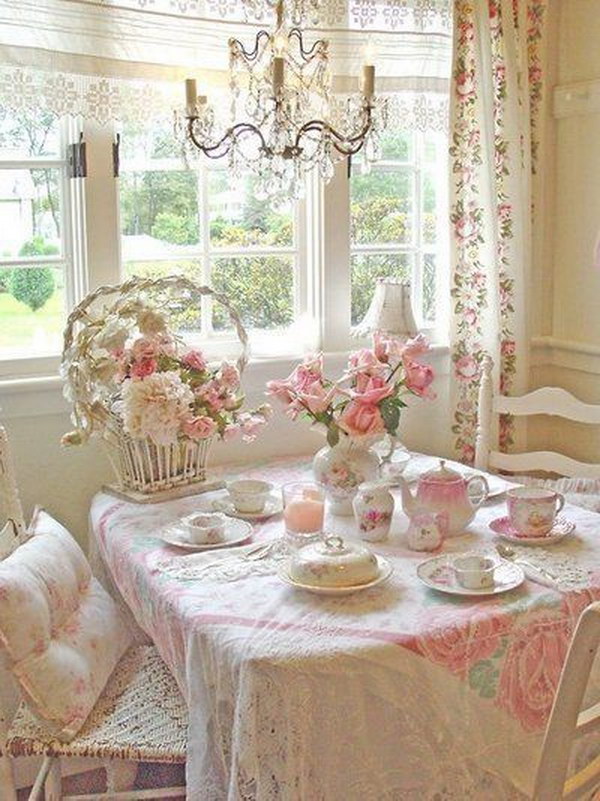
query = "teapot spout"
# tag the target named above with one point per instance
(409, 504)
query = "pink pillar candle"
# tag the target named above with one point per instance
(304, 515)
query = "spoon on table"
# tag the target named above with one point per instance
(533, 572)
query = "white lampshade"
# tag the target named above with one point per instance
(390, 311)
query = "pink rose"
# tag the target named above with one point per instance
(360, 418)
(364, 361)
(199, 427)
(195, 360)
(465, 228)
(371, 390)
(465, 85)
(415, 347)
(143, 368)
(143, 349)
(419, 378)
(230, 376)
(210, 395)
(531, 670)
(282, 390)
(317, 398)
(508, 347)
(457, 639)
(231, 432)
(295, 408)
(466, 368)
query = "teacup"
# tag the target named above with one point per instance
(474, 571)
(248, 495)
(532, 510)
(205, 528)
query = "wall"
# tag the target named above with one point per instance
(64, 481)
(566, 350)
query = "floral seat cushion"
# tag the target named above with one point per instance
(62, 633)
(584, 492)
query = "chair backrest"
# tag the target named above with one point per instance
(547, 400)
(9, 493)
(567, 720)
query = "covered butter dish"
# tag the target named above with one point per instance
(333, 562)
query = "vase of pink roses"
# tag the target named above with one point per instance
(357, 410)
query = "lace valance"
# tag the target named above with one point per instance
(114, 100)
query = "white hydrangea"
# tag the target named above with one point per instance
(156, 406)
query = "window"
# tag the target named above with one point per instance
(398, 216)
(195, 223)
(35, 252)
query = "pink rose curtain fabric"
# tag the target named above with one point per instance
(496, 91)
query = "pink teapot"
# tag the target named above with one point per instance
(445, 490)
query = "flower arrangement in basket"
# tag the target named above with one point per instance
(157, 403)
(368, 398)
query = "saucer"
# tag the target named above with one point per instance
(236, 532)
(385, 571)
(561, 528)
(438, 574)
(273, 506)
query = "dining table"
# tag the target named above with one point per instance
(395, 692)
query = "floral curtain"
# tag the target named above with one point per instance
(495, 96)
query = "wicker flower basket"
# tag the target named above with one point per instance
(146, 471)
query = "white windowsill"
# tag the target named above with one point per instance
(39, 396)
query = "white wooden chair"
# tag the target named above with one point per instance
(568, 722)
(547, 400)
(139, 717)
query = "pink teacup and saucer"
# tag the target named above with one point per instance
(532, 517)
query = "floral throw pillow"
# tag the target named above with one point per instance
(63, 634)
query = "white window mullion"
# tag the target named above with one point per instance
(417, 265)
(204, 232)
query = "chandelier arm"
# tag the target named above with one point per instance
(228, 138)
(321, 125)
(307, 54)
(251, 55)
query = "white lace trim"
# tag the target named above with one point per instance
(136, 102)
(420, 15)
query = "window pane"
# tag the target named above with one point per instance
(365, 270)
(186, 319)
(429, 287)
(237, 218)
(140, 143)
(27, 135)
(32, 302)
(29, 212)
(261, 288)
(429, 221)
(159, 213)
(381, 206)
(397, 146)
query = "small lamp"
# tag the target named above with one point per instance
(390, 311)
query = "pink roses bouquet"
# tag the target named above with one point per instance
(132, 368)
(369, 396)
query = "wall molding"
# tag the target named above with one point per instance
(579, 356)
(576, 99)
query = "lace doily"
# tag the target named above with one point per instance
(564, 569)
(225, 566)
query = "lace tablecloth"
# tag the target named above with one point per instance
(395, 693)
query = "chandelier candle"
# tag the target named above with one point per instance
(368, 81)
(191, 95)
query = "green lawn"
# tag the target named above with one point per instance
(22, 329)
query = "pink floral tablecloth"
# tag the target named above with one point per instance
(395, 693)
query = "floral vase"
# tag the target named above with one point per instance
(341, 468)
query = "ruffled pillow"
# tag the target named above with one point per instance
(62, 632)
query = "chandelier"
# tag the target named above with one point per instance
(284, 121)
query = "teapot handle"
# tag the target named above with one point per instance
(485, 490)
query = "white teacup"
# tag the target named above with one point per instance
(205, 528)
(474, 571)
(532, 510)
(248, 495)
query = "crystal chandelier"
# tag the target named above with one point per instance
(283, 119)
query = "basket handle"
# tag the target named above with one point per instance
(79, 313)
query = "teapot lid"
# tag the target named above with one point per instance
(442, 473)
